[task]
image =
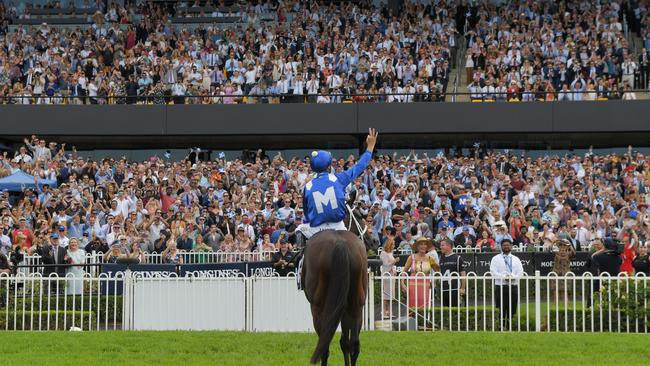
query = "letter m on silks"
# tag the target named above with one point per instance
(328, 198)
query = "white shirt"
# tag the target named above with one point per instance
(125, 205)
(583, 236)
(285, 213)
(333, 81)
(312, 87)
(64, 241)
(433, 254)
(155, 229)
(24, 158)
(283, 86)
(500, 269)
(250, 76)
(5, 244)
(298, 87)
(112, 237)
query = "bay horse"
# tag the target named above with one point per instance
(335, 274)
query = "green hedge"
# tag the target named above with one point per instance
(610, 323)
(31, 320)
(472, 318)
(106, 311)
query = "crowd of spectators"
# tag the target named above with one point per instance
(548, 50)
(254, 203)
(325, 52)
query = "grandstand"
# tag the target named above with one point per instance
(155, 151)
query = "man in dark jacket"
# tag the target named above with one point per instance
(609, 260)
(53, 254)
(465, 239)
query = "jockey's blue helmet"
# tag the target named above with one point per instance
(320, 161)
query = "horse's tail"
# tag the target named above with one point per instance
(337, 297)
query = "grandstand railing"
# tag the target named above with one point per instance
(158, 301)
(334, 98)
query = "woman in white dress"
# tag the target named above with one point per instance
(469, 65)
(74, 274)
(388, 270)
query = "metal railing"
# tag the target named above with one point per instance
(516, 248)
(330, 98)
(72, 302)
(34, 264)
(140, 301)
(450, 302)
(552, 303)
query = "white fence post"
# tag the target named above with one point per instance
(248, 293)
(538, 300)
(127, 300)
(370, 302)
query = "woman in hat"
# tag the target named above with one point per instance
(243, 242)
(419, 266)
(562, 265)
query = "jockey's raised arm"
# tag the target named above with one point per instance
(324, 196)
(346, 177)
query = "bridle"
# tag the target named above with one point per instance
(353, 218)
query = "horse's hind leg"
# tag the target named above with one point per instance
(315, 313)
(355, 345)
(346, 326)
(323, 360)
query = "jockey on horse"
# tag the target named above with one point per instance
(324, 196)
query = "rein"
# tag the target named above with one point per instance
(361, 232)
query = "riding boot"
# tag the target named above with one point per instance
(301, 240)
(299, 273)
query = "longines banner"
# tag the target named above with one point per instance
(252, 269)
(479, 263)
(112, 285)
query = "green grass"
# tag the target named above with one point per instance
(288, 349)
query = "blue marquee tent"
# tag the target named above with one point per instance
(21, 180)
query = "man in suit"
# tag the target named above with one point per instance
(53, 253)
(504, 166)
(465, 239)
(644, 68)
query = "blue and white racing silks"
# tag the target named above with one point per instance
(324, 196)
